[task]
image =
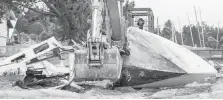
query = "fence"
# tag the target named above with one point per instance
(212, 54)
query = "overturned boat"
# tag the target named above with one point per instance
(151, 61)
(158, 62)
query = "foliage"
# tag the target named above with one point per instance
(70, 15)
(126, 8)
(167, 30)
(69, 19)
(178, 37)
(212, 42)
(3, 10)
(157, 30)
(210, 35)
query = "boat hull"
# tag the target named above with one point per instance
(157, 62)
(175, 81)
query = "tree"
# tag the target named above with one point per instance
(212, 42)
(187, 36)
(210, 35)
(72, 15)
(126, 11)
(196, 36)
(157, 30)
(3, 10)
(178, 37)
(167, 30)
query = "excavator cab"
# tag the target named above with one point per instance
(135, 14)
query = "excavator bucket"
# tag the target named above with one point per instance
(110, 68)
(97, 61)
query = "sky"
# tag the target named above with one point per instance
(211, 11)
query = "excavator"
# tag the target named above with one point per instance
(99, 59)
(109, 56)
(102, 55)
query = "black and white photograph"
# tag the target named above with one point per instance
(111, 49)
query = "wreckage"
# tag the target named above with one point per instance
(116, 55)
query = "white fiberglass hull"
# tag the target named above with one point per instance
(157, 62)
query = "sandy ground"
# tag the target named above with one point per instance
(211, 88)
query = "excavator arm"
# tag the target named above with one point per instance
(96, 42)
(102, 58)
(117, 19)
(118, 25)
